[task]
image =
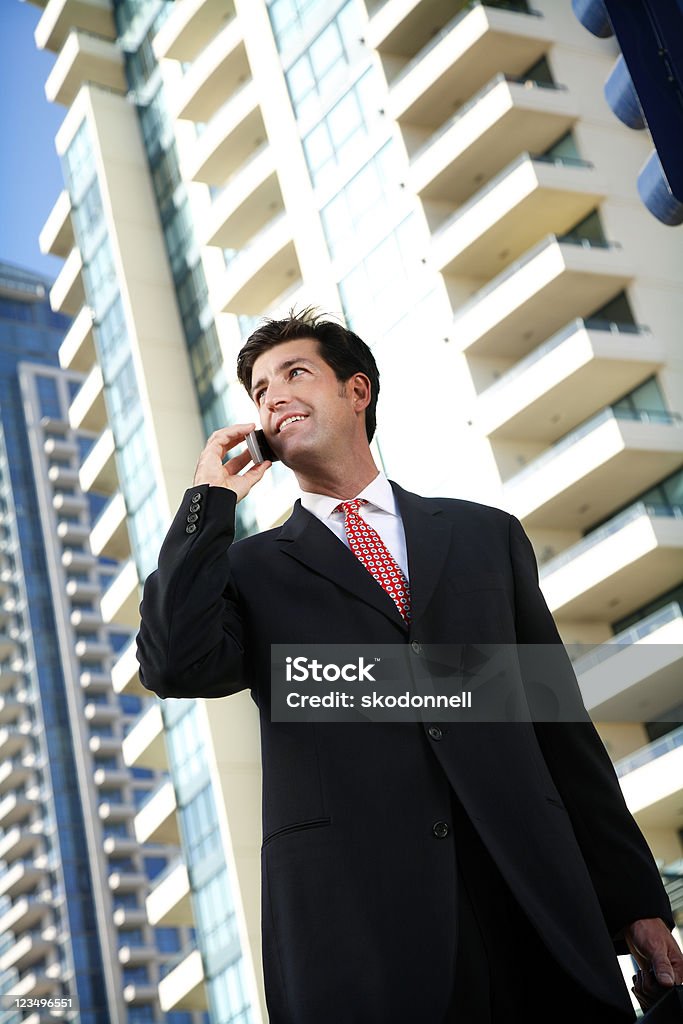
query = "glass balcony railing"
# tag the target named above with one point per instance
(176, 862)
(529, 83)
(580, 324)
(649, 753)
(523, 158)
(640, 415)
(518, 6)
(587, 660)
(629, 515)
(531, 254)
(234, 256)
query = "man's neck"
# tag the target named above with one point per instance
(339, 484)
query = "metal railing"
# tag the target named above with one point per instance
(528, 256)
(517, 6)
(627, 637)
(528, 83)
(651, 752)
(581, 323)
(523, 158)
(623, 519)
(566, 442)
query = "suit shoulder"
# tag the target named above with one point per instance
(472, 511)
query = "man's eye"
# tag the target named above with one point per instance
(296, 369)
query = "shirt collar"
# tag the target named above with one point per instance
(378, 493)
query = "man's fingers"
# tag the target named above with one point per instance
(237, 462)
(663, 971)
(227, 437)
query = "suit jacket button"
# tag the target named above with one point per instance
(440, 829)
(194, 507)
(434, 732)
(191, 528)
(417, 648)
(196, 497)
(193, 517)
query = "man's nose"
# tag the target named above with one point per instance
(276, 394)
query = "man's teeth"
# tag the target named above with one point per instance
(290, 419)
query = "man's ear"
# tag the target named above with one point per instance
(362, 390)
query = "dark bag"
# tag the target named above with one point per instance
(669, 1009)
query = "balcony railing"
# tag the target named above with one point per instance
(519, 6)
(545, 243)
(495, 181)
(529, 83)
(629, 515)
(581, 323)
(653, 750)
(627, 637)
(641, 415)
(233, 256)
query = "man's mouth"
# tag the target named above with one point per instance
(286, 422)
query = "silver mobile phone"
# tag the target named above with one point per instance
(259, 449)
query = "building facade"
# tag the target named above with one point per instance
(450, 178)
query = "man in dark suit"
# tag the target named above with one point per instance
(412, 872)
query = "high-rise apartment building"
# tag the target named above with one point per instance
(449, 176)
(73, 874)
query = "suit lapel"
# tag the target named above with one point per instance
(428, 538)
(313, 544)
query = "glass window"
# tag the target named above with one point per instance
(48, 397)
(123, 396)
(337, 136)
(112, 338)
(79, 165)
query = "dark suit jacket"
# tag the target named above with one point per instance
(359, 893)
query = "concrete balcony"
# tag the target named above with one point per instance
(77, 351)
(566, 379)
(229, 139)
(595, 469)
(485, 135)
(183, 987)
(104, 744)
(106, 778)
(637, 674)
(57, 237)
(168, 903)
(98, 469)
(125, 676)
(156, 820)
(21, 841)
(190, 27)
(67, 295)
(28, 949)
(91, 650)
(109, 534)
(20, 877)
(245, 205)
(556, 281)
(14, 738)
(95, 682)
(129, 917)
(145, 745)
(88, 410)
(139, 994)
(512, 213)
(400, 28)
(85, 59)
(222, 69)
(619, 567)
(651, 781)
(12, 706)
(15, 807)
(78, 561)
(259, 273)
(61, 16)
(25, 913)
(137, 954)
(120, 602)
(16, 772)
(127, 881)
(476, 44)
(62, 476)
(36, 984)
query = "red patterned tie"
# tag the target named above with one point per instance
(368, 547)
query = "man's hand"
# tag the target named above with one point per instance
(660, 959)
(210, 468)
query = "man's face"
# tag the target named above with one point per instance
(304, 409)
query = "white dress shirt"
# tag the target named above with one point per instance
(381, 513)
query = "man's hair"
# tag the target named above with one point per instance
(340, 348)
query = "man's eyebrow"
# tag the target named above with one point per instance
(283, 366)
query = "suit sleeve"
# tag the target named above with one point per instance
(190, 638)
(621, 865)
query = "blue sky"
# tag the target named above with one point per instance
(30, 173)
